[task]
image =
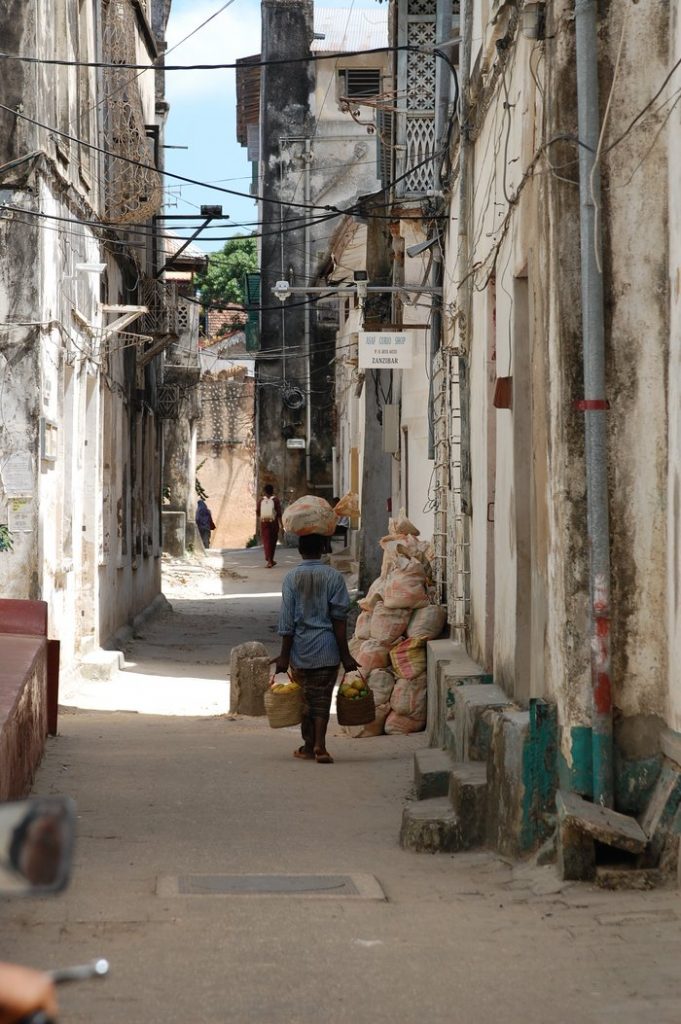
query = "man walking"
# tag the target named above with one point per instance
(313, 630)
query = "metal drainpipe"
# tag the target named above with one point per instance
(594, 405)
(464, 303)
(307, 157)
(443, 77)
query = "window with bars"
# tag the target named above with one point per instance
(359, 83)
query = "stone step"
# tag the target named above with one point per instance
(469, 733)
(432, 769)
(468, 797)
(581, 824)
(430, 826)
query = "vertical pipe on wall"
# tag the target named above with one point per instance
(464, 305)
(307, 159)
(594, 405)
(443, 78)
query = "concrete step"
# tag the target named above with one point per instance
(101, 664)
(469, 733)
(432, 769)
(430, 826)
(468, 797)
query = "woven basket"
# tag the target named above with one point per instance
(284, 709)
(357, 711)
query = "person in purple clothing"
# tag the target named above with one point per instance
(313, 630)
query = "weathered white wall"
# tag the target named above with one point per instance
(413, 476)
(673, 509)
(528, 271)
(93, 553)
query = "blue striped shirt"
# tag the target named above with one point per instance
(313, 595)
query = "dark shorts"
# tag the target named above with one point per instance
(317, 684)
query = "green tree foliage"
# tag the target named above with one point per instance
(223, 278)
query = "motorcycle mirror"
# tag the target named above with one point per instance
(36, 845)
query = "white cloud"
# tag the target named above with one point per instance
(232, 34)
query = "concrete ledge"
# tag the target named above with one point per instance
(472, 731)
(510, 733)
(449, 666)
(23, 711)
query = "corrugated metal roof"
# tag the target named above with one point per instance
(346, 29)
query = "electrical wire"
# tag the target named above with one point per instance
(234, 65)
(150, 167)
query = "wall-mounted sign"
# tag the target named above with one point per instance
(17, 474)
(295, 442)
(21, 515)
(385, 350)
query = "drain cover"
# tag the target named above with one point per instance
(346, 886)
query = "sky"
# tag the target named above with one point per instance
(203, 108)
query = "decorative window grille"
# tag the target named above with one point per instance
(182, 318)
(132, 192)
(160, 297)
(359, 83)
(416, 84)
(168, 400)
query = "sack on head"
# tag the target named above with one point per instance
(310, 514)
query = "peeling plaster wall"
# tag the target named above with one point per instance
(546, 622)
(93, 549)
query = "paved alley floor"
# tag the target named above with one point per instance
(169, 788)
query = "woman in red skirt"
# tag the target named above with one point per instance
(269, 514)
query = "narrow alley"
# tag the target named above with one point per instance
(169, 788)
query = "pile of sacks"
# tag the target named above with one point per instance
(398, 617)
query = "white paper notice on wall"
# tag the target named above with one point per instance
(17, 474)
(21, 515)
(385, 350)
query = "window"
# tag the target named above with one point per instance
(359, 83)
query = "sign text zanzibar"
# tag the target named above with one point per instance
(385, 350)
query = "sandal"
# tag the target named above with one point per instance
(303, 754)
(323, 757)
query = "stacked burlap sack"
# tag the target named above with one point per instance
(398, 617)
